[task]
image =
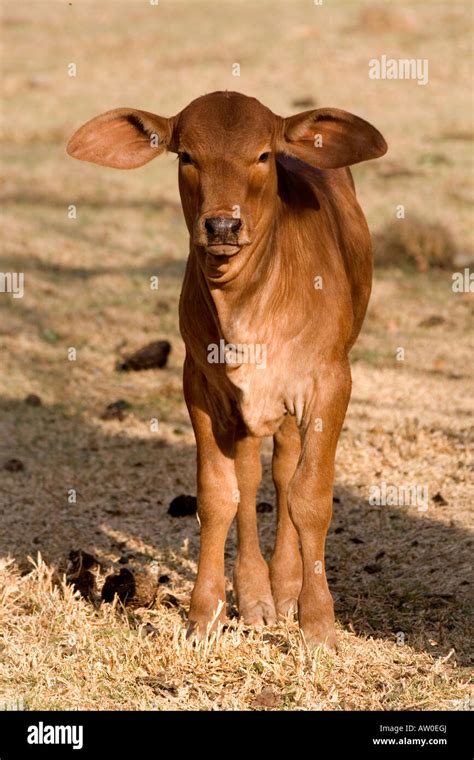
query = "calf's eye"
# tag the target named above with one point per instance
(185, 158)
(263, 157)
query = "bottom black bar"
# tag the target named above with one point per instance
(119, 734)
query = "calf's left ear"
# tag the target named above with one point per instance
(329, 138)
(124, 138)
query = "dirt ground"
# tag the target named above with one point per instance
(401, 576)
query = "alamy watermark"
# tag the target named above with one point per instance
(389, 495)
(52, 734)
(399, 68)
(463, 282)
(12, 705)
(237, 353)
(12, 282)
(465, 703)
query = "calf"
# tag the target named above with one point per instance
(275, 292)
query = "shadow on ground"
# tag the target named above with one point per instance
(392, 570)
(172, 268)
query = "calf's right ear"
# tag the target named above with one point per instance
(124, 138)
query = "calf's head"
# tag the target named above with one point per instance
(228, 145)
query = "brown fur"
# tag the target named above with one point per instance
(299, 219)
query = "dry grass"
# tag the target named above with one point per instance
(393, 570)
(415, 244)
(63, 653)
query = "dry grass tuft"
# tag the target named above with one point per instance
(415, 244)
(379, 18)
(57, 650)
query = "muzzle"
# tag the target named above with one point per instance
(222, 230)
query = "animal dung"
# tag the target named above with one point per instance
(13, 465)
(33, 400)
(183, 506)
(170, 601)
(153, 355)
(79, 559)
(134, 586)
(79, 573)
(432, 321)
(116, 410)
(150, 630)
(264, 506)
(372, 568)
(84, 582)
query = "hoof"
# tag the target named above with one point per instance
(287, 609)
(259, 613)
(320, 636)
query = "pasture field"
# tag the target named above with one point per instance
(400, 575)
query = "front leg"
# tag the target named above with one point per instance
(286, 569)
(251, 577)
(217, 498)
(310, 499)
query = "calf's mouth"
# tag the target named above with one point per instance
(221, 249)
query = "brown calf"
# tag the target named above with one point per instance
(275, 292)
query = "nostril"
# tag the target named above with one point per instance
(235, 224)
(211, 225)
(222, 225)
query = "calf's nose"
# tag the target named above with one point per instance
(221, 226)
